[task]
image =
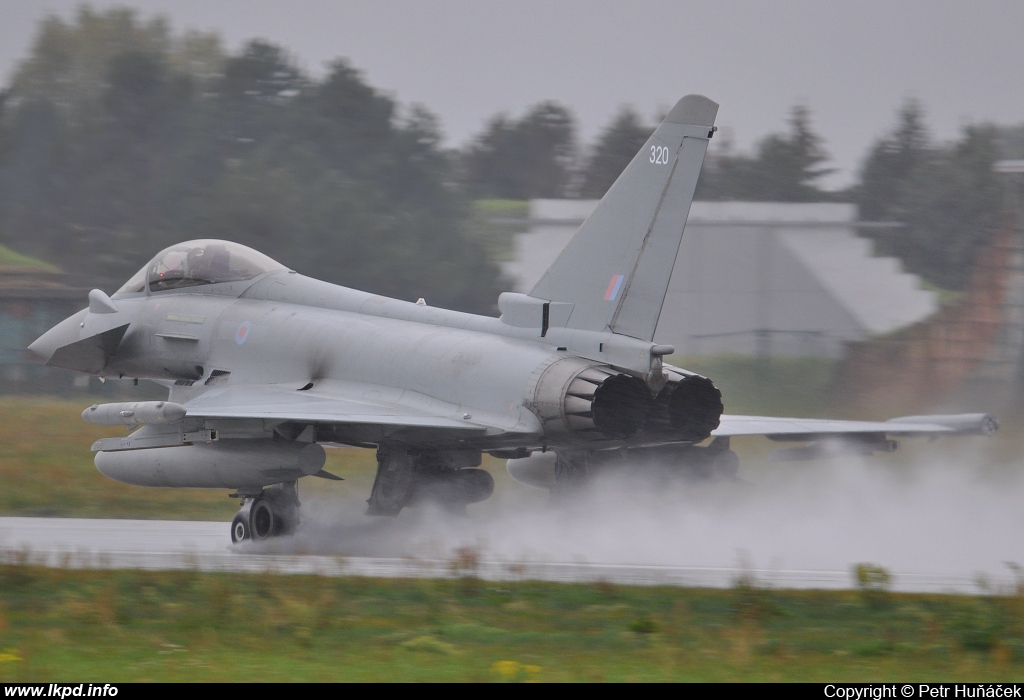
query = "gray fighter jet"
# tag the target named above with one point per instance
(265, 366)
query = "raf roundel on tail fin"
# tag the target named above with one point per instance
(613, 288)
(616, 269)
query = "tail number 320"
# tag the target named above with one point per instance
(659, 155)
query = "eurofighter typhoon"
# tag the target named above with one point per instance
(265, 366)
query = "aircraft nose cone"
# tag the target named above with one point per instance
(64, 333)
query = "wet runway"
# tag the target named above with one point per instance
(167, 545)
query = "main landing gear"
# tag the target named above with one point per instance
(270, 512)
(714, 462)
(447, 478)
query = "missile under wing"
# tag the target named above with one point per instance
(265, 366)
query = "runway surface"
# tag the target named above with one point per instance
(167, 545)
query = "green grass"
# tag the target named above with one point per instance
(946, 297)
(498, 239)
(513, 208)
(778, 386)
(46, 469)
(117, 626)
(10, 258)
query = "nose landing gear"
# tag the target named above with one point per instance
(272, 512)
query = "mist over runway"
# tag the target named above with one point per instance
(937, 527)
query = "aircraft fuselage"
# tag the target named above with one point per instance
(298, 333)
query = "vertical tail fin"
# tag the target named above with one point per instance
(616, 269)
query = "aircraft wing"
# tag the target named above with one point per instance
(804, 429)
(346, 404)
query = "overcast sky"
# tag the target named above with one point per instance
(852, 63)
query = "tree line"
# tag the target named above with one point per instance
(945, 196)
(119, 137)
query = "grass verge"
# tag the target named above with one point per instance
(493, 223)
(118, 626)
(47, 470)
(778, 386)
(11, 258)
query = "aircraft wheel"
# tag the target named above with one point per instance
(393, 485)
(453, 489)
(284, 501)
(287, 522)
(473, 485)
(726, 465)
(240, 529)
(263, 521)
(572, 474)
(717, 466)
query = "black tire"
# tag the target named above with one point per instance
(285, 505)
(727, 465)
(240, 529)
(263, 520)
(474, 485)
(287, 522)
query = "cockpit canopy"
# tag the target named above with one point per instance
(201, 262)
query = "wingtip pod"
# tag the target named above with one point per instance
(695, 110)
(960, 424)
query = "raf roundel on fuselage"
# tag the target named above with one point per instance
(196, 263)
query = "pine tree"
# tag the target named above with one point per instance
(616, 147)
(525, 159)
